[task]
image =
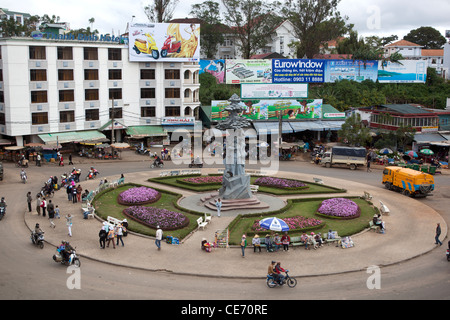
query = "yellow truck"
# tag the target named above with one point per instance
(410, 182)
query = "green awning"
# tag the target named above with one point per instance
(73, 136)
(146, 131)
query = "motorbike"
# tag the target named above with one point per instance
(73, 259)
(46, 192)
(24, 178)
(39, 241)
(291, 282)
(2, 212)
(156, 164)
(142, 151)
(169, 47)
(146, 46)
(92, 175)
(22, 164)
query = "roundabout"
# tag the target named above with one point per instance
(408, 236)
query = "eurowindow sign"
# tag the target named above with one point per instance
(80, 37)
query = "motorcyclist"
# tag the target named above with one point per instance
(278, 270)
(3, 204)
(37, 232)
(23, 175)
(67, 251)
(158, 160)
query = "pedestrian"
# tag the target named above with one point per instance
(102, 237)
(438, 233)
(74, 194)
(243, 245)
(61, 161)
(29, 200)
(38, 204)
(57, 215)
(218, 206)
(69, 191)
(70, 159)
(119, 234)
(110, 237)
(43, 206)
(69, 223)
(369, 159)
(79, 191)
(125, 227)
(51, 213)
(38, 160)
(159, 234)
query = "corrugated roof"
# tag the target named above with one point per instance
(405, 108)
(146, 131)
(72, 136)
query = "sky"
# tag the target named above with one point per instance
(370, 17)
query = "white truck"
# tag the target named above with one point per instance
(351, 157)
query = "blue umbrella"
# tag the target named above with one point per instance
(274, 224)
(386, 151)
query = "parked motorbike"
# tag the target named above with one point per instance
(142, 151)
(157, 164)
(195, 164)
(291, 282)
(146, 46)
(46, 192)
(39, 240)
(73, 259)
(169, 47)
(2, 212)
(22, 164)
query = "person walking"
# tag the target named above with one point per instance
(69, 223)
(43, 206)
(438, 233)
(57, 215)
(79, 191)
(38, 160)
(369, 159)
(218, 206)
(243, 245)
(110, 237)
(51, 213)
(119, 234)
(74, 194)
(38, 204)
(70, 159)
(102, 237)
(29, 200)
(159, 234)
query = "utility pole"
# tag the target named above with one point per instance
(112, 120)
(280, 128)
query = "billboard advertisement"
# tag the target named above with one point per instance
(215, 68)
(166, 42)
(248, 71)
(407, 71)
(271, 109)
(298, 70)
(355, 70)
(274, 90)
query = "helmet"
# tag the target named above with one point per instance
(37, 225)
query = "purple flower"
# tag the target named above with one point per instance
(207, 179)
(339, 207)
(138, 195)
(279, 182)
(153, 217)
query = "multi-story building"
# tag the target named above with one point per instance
(60, 85)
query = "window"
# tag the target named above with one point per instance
(172, 92)
(91, 74)
(91, 94)
(66, 95)
(148, 112)
(39, 96)
(92, 115)
(115, 74)
(171, 74)
(67, 116)
(115, 93)
(172, 111)
(114, 54)
(65, 75)
(37, 53)
(147, 74)
(39, 118)
(2, 97)
(64, 53)
(148, 93)
(2, 119)
(38, 75)
(1, 73)
(117, 113)
(90, 54)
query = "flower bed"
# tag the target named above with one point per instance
(340, 208)
(153, 217)
(138, 195)
(294, 223)
(280, 183)
(204, 180)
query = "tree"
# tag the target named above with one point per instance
(354, 132)
(212, 29)
(160, 10)
(252, 23)
(428, 37)
(91, 22)
(315, 22)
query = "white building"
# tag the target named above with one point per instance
(64, 85)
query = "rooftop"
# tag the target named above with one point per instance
(403, 43)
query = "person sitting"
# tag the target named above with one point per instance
(277, 241)
(37, 232)
(278, 270)
(318, 239)
(256, 243)
(271, 271)
(269, 243)
(377, 221)
(305, 239)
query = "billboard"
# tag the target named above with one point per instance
(215, 68)
(298, 70)
(170, 42)
(248, 71)
(407, 71)
(271, 109)
(274, 90)
(355, 70)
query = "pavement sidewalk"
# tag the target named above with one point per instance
(410, 233)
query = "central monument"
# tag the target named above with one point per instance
(235, 182)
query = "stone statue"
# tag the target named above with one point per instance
(235, 182)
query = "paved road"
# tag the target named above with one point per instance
(24, 268)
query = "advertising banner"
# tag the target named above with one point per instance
(274, 90)
(298, 70)
(357, 70)
(166, 42)
(248, 71)
(407, 71)
(215, 68)
(271, 109)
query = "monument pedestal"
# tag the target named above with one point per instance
(236, 187)
(209, 201)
